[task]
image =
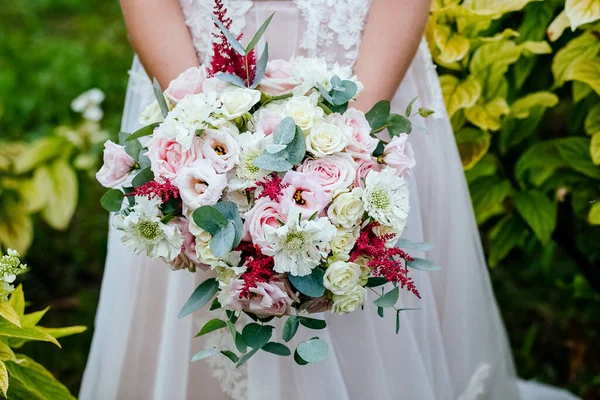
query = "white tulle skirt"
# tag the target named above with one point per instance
(454, 347)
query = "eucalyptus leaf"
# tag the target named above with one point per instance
(419, 246)
(299, 359)
(210, 219)
(423, 265)
(310, 285)
(336, 81)
(232, 213)
(223, 242)
(272, 162)
(273, 148)
(201, 296)
(259, 34)
(231, 78)
(285, 132)
(112, 200)
(380, 311)
(244, 359)
(398, 124)
(240, 343)
(160, 97)
(231, 355)
(344, 96)
(324, 93)
(379, 149)
(261, 67)
(211, 326)
(279, 349)
(206, 353)
(290, 328)
(409, 107)
(378, 115)
(397, 322)
(389, 299)
(145, 131)
(237, 46)
(376, 281)
(313, 323)
(133, 149)
(142, 177)
(256, 335)
(296, 150)
(313, 350)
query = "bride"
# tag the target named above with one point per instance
(454, 347)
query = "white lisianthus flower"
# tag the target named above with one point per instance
(386, 198)
(344, 240)
(200, 185)
(144, 232)
(341, 277)
(304, 112)
(238, 101)
(325, 139)
(220, 148)
(299, 246)
(347, 208)
(382, 230)
(151, 114)
(349, 301)
(192, 114)
(251, 145)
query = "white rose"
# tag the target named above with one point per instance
(382, 230)
(347, 208)
(303, 112)
(344, 240)
(239, 101)
(325, 139)
(340, 277)
(346, 303)
(365, 270)
(151, 114)
(203, 238)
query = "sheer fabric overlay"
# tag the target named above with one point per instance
(454, 347)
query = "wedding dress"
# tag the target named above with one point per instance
(454, 347)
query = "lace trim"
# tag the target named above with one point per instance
(436, 96)
(477, 383)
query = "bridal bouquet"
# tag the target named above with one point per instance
(262, 172)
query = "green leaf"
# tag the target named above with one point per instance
(488, 196)
(231, 211)
(17, 300)
(160, 98)
(142, 177)
(376, 281)
(133, 148)
(397, 322)
(521, 108)
(506, 235)
(592, 121)
(398, 124)
(231, 355)
(310, 285)
(201, 296)
(344, 93)
(223, 242)
(206, 353)
(279, 349)
(6, 353)
(259, 34)
(32, 319)
(313, 350)
(112, 200)
(211, 326)
(586, 71)
(299, 359)
(389, 299)
(423, 265)
(285, 132)
(576, 152)
(210, 219)
(261, 67)
(538, 211)
(256, 335)
(9, 313)
(3, 378)
(238, 339)
(63, 332)
(237, 46)
(409, 107)
(244, 359)
(425, 112)
(378, 115)
(62, 195)
(36, 381)
(215, 305)
(290, 328)
(380, 311)
(7, 329)
(313, 323)
(145, 131)
(419, 246)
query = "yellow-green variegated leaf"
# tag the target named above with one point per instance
(587, 72)
(9, 313)
(440, 5)
(533, 48)
(488, 116)
(3, 378)
(36, 153)
(580, 91)
(17, 300)
(11, 331)
(34, 191)
(592, 121)
(62, 332)
(62, 195)
(582, 11)
(6, 353)
(584, 47)
(488, 197)
(459, 95)
(594, 215)
(521, 108)
(36, 382)
(595, 148)
(505, 34)
(494, 55)
(16, 227)
(558, 26)
(453, 47)
(495, 7)
(472, 144)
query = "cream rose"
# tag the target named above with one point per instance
(325, 139)
(303, 112)
(350, 301)
(347, 208)
(238, 101)
(340, 277)
(343, 241)
(392, 233)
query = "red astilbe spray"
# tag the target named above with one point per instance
(166, 191)
(259, 268)
(388, 263)
(272, 186)
(225, 58)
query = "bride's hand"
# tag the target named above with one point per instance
(390, 40)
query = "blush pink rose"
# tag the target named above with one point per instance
(221, 149)
(303, 192)
(199, 185)
(188, 82)
(168, 157)
(229, 296)
(399, 154)
(356, 127)
(264, 212)
(278, 79)
(117, 166)
(364, 167)
(187, 259)
(268, 121)
(335, 172)
(268, 299)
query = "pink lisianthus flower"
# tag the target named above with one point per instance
(221, 149)
(188, 82)
(399, 154)
(264, 212)
(303, 191)
(268, 299)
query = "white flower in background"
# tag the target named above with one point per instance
(192, 114)
(344, 240)
(350, 301)
(10, 267)
(151, 114)
(386, 198)
(238, 101)
(200, 185)
(251, 145)
(220, 148)
(341, 277)
(309, 72)
(347, 208)
(303, 111)
(299, 246)
(88, 104)
(144, 232)
(382, 230)
(325, 139)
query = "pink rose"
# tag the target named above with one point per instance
(264, 212)
(269, 299)
(399, 154)
(279, 78)
(268, 121)
(188, 258)
(168, 157)
(117, 166)
(303, 191)
(229, 296)
(364, 167)
(199, 185)
(221, 149)
(355, 125)
(188, 82)
(335, 172)
(317, 305)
